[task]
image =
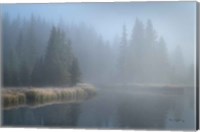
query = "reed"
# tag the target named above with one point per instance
(31, 96)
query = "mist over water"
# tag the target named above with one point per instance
(127, 109)
(139, 56)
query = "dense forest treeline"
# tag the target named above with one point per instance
(26, 64)
(38, 53)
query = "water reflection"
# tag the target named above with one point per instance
(145, 111)
(58, 115)
(113, 109)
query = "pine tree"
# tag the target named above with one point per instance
(37, 75)
(162, 63)
(150, 34)
(24, 74)
(149, 54)
(30, 49)
(58, 59)
(136, 52)
(123, 62)
(178, 67)
(75, 72)
(19, 46)
(13, 71)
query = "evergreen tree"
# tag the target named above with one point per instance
(136, 52)
(123, 57)
(75, 72)
(58, 59)
(149, 53)
(31, 41)
(178, 67)
(24, 74)
(12, 70)
(150, 34)
(19, 46)
(162, 63)
(37, 76)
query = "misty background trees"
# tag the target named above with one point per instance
(144, 58)
(39, 53)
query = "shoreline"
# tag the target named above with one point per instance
(36, 96)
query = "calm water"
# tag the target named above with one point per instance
(115, 109)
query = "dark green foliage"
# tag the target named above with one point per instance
(58, 59)
(75, 72)
(59, 67)
(24, 74)
(28, 62)
(11, 73)
(37, 74)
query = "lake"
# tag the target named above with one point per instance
(113, 108)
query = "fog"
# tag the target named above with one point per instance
(169, 18)
(140, 57)
(96, 32)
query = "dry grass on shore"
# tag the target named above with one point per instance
(30, 96)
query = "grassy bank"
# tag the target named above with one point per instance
(32, 96)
